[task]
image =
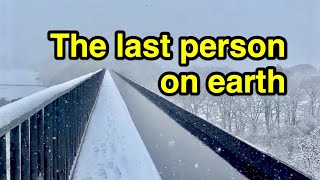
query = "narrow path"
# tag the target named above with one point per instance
(112, 148)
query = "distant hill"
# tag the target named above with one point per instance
(305, 69)
(204, 71)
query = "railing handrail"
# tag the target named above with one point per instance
(13, 114)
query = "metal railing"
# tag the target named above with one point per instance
(44, 143)
(248, 160)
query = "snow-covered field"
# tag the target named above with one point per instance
(112, 147)
(10, 78)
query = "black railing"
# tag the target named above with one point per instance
(46, 143)
(248, 160)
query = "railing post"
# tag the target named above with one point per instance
(71, 129)
(48, 139)
(41, 144)
(3, 166)
(25, 151)
(34, 147)
(14, 154)
(76, 119)
(68, 132)
(59, 131)
(62, 138)
(54, 139)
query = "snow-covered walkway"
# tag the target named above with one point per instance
(112, 147)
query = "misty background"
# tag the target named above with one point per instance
(25, 25)
(287, 127)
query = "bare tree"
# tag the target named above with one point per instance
(225, 105)
(312, 88)
(294, 99)
(208, 108)
(253, 111)
(268, 107)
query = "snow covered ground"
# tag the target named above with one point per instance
(18, 77)
(112, 147)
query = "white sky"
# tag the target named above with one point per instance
(24, 25)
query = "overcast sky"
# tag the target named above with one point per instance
(24, 25)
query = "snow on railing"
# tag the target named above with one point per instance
(14, 113)
(41, 133)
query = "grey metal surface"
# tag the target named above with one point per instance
(176, 153)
